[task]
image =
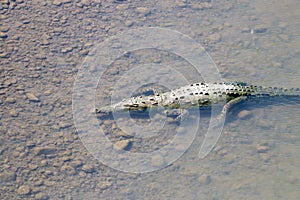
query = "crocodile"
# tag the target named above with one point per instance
(199, 94)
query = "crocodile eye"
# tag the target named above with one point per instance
(176, 98)
(196, 93)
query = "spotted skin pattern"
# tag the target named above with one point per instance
(198, 95)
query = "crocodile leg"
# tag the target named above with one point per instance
(180, 114)
(215, 131)
(226, 108)
(183, 114)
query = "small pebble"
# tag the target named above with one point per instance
(7, 177)
(122, 145)
(32, 97)
(66, 1)
(157, 160)
(284, 37)
(3, 91)
(143, 10)
(277, 64)
(38, 182)
(44, 163)
(181, 130)
(2, 16)
(264, 124)
(282, 24)
(10, 82)
(48, 92)
(244, 114)
(3, 35)
(122, 7)
(75, 163)
(128, 23)
(32, 167)
(44, 42)
(222, 152)
(82, 174)
(84, 52)
(24, 190)
(67, 49)
(4, 55)
(104, 185)
(122, 133)
(85, 2)
(13, 113)
(41, 196)
(10, 100)
(44, 150)
(4, 28)
(64, 124)
(263, 148)
(88, 168)
(204, 179)
(259, 29)
(214, 37)
(67, 169)
(57, 2)
(30, 144)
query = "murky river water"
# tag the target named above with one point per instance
(43, 45)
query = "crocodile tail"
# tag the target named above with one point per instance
(274, 91)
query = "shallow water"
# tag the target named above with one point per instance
(42, 48)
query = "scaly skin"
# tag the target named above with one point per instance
(199, 94)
